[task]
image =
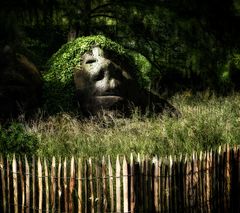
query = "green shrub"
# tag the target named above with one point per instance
(15, 139)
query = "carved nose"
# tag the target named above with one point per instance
(106, 71)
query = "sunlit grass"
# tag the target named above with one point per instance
(206, 122)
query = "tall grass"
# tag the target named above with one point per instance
(207, 121)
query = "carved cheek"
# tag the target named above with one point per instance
(82, 80)
(101, 86)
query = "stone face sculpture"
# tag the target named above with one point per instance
(95, 74)
(20, 84)
(103, 83)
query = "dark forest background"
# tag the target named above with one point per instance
(190, 44)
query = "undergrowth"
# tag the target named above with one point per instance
(207, 121)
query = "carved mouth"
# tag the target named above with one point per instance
(108, 97)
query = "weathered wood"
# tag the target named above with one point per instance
(59, 184)
(185, 182)
(110, 172)
(2, 169)
(167, 176)
(220, 178)
(207, 189)
(86, 186)
(207, 182)
(118, 185)
(237, 204)
(200, 181)
(33, 185)
(80, 192)
(195, 182)
(8, 186)
(65, 185)
(91, 185)
(156, 183)
(170, 187)
(125, 185)
(53, 184)
(227, 180)
(27, 170)
(99, 191)
(46, 186)
(210, 181)
(162, 186)
(71, 185)
(132, 191)
(143, 184)
(40, 186)
(22, 185)
(15, 184)
(104, 182)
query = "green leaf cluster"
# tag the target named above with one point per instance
(15, 139)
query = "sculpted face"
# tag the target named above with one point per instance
(105, 82)
(101, 83)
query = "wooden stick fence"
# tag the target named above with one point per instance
(203, 182)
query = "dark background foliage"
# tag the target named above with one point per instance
(189, 44)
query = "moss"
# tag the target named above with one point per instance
(59, 87)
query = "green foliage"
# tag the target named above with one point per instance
(59, 87)
(15, 139)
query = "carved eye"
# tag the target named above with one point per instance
(90, 61)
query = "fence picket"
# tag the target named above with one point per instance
(2, 169)
(125, 185)
(118, 185)
(65, 185)
(40, 189)
(200, 182)
(79, 176)
(170, 185)
(99, 193)
(140, 178)
(167, 189)
(33, 184)
(86, 186)
(195, 182)
(59, 184)
(105, 203)
(27, 170)
(227, 177)
(210, 180)
(71, 185)
(206, 180)
(22, 184)
(8, 186)
(91, 185)
(53, 184)
(110, 171)
(46, 185)
(221, 177)
(132, 191)
(237, 181)
(162, 186)
(15, 184)
(155, 183)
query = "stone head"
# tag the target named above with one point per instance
(104, 81)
